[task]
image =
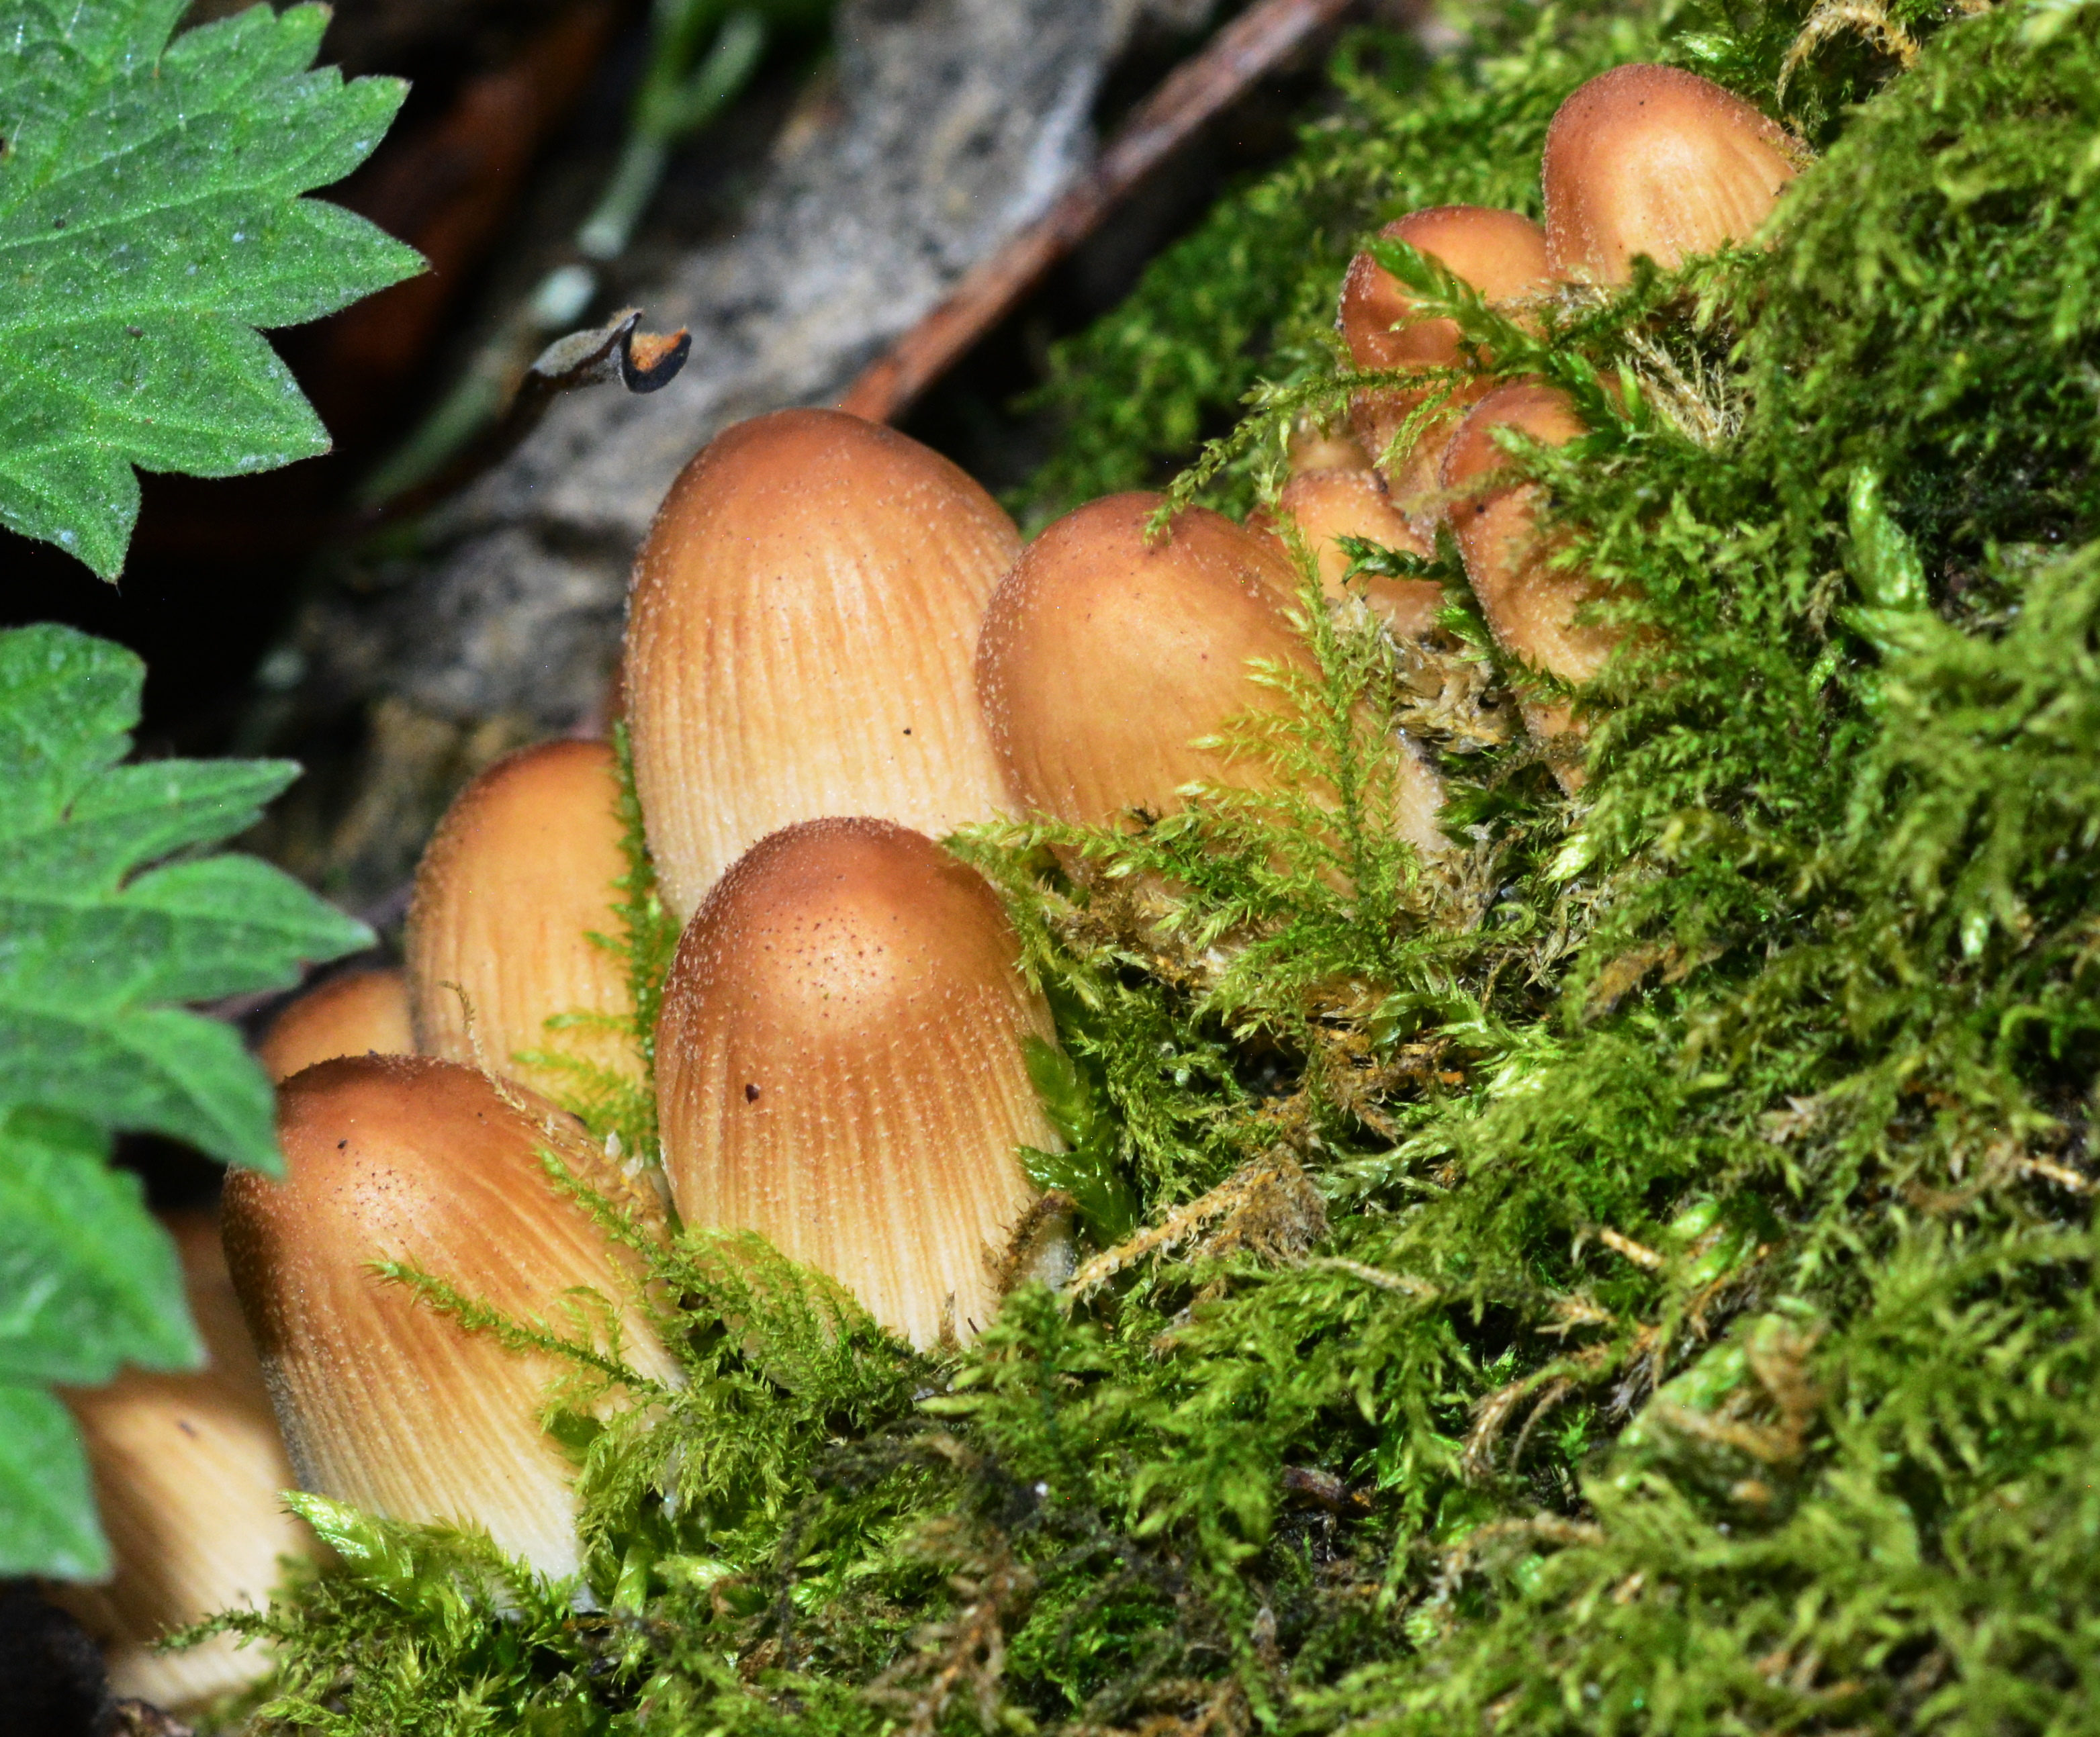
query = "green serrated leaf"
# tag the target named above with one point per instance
(95, 941)
(47, 1523)
(88, 1281)
(149, 221)
(109, 919)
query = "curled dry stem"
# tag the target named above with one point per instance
(1869, 18)
(1268, 1208)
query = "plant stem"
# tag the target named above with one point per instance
(672, 103)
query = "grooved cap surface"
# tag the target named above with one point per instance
(1657, 161)
(1500, 254)
(1103, 658)
(800, 635)
(1328, 505)
(361, 1012)
(519, 873)
(384, 1402)
(840, 1068)
(188, 1470)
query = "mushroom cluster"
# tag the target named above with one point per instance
(838, 650)
(1644, 161)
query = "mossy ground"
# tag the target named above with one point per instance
(1639, 1279)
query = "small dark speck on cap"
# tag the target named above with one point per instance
(907, 729)
(342, 1145)
(751, 1094)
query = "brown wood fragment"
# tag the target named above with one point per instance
(1204, 86)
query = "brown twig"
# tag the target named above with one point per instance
(1194, 93)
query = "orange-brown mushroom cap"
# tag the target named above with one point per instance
(386, 1402)
(1657, 160)
(800, 637)
(1327, 505)
(188, 1468)
(1105, 657)
(360, 1012)
(1500, 254)
(517, 877)
(1529, 601)
(841, 1068)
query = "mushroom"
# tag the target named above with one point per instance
(1327, 505)
(1503, 254)
(841, 1068)
(356, 1013)
(187, 1470)
(799, 642)
(1317, 445)
(1530, 602)
(1653, 160)
(517, 877)
(1105, 657)
(386, 1402)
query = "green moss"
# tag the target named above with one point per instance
(1639, 1280)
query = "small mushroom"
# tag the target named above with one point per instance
(799, 642)
(516, 878)
(188, 1470)
(386, 1402)
(841, 1068)
(1529, 601)
(1105, 657)
(1653, 160)
(1329, 505)
(1501, 254)
(357, 1013)
(1318, 446)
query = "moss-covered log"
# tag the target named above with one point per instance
(1635, 1276)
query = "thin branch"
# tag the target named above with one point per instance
(1202, 87)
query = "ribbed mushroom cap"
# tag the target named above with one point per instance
(1104, 658)
(1329, 505)
(840, 1068)
(1653, 160)
(518, 875)
(1317, 447)
(384, 1402)
(187, 1471)
(799, 642)
(1529, 603)
(1500, 254)
(361, 1013)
